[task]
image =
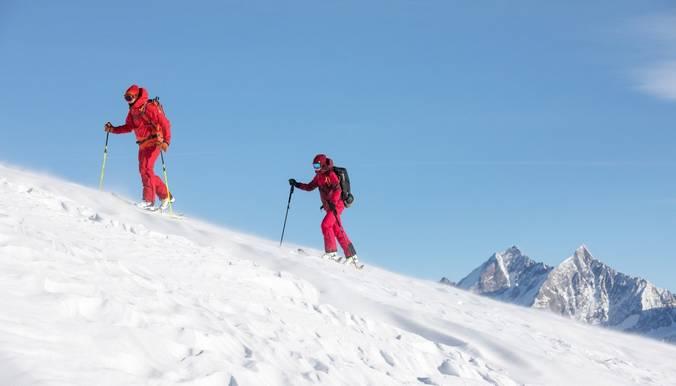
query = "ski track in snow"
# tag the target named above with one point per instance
(98, 293)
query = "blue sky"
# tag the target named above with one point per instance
(467, 127)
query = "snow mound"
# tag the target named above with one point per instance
(97, 292)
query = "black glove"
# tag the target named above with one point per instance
(293, 182)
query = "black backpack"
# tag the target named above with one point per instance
(344, 178)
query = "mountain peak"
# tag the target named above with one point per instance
(581, 287)
(507, 275)
(508, 255)
(583, 249)
(583, 255)
(514, 250)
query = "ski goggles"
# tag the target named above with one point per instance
(317, 165)
(129, 97)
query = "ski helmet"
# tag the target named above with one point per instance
(131, 93)
(322, 163)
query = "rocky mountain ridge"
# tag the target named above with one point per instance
(581, 287)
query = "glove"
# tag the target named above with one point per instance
(293, 183)
(108, 127)
(163, 145)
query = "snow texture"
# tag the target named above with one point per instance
(96, 292)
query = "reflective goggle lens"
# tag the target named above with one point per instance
(128, 97)
(317, 165)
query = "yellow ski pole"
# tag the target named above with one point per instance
(166, 183)
(103, 166)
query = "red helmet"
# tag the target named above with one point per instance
(132, 92)
(322, 163)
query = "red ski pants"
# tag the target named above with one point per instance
(332, 229)
(152, 184)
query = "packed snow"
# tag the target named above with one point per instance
(97, 292)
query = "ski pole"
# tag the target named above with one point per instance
(166, 183)
(103, 166)
(335, 213)
(288, 205)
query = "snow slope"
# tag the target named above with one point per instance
(96, 292)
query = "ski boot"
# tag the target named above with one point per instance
(165, 203)
(353, 260)
(333, 256)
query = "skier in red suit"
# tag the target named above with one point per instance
(330, 193)
(153, 134)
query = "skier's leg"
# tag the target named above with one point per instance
(327, 231)
(148, 191)
(158, 185)
(343, 239)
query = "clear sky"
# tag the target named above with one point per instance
(467, 127)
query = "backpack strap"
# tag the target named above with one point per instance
(142, 109)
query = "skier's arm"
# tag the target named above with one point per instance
(126, 128)
(312, 185)
(121, 129)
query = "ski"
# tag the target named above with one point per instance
(357, 265)
(155, 210)
(163, 213)
(339, 260)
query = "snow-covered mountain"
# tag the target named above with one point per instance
(582, 288)
(508, 276)
(97, 292)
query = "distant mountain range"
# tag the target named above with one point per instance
(581, 287)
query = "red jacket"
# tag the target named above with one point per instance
(329, 189)
(147, 121)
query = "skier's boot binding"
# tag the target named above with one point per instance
(165, 203)
(330, 256)
(354, 260)
(145, 204)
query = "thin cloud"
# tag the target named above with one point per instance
(659, 78)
